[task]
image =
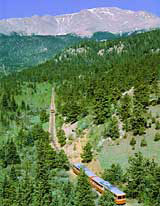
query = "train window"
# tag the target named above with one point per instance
(124, 196)
(75, 167)
(97, 183)
(119, 197)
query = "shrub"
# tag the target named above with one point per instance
(157, 125)
(87, 154)
(133, 141)
(114, 174)
(153, 120)
(150, 124)
(125, 136)
(143, 143)
(157, 137)
(61, 137)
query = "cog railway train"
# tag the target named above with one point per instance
(101, 185)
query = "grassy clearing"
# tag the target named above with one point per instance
(37, 101)
(133, 203)
(114, 153)
(40, 99)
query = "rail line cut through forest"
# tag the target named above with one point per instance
(52, 122)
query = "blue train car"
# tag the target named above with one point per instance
(101, 185)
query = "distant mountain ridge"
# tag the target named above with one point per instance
(84, 23)
(18, 52)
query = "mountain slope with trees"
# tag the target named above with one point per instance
(19, 52)
(106, 83)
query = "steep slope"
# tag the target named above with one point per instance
(18, 52)
(85, 22)
(98, 86)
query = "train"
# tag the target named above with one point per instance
(99, 184)
(52, 109)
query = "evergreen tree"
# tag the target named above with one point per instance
(133, 142)
(25, 191)
(44, 117)
(5, 101)
(42, 193)
(83, 193)
(61, 137)
(11, 154)
(87, 154)
(107, 199)
(62, 160)
(143, 142)
(101, 108)
(113, 130)
(23, 105)
(157, 137)
(113, 174)
(125, 107)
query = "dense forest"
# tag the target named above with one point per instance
(108, 81)
(19, 52)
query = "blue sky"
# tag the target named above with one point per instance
(24, 8)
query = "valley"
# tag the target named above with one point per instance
(105, 109)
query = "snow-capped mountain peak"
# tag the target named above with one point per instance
(85, 22)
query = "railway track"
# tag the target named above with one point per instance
(54, 145)
(52, 122)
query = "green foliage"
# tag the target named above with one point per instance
(138, 120)
(9, 154)
(153, 120)
(107, 199)
(157, 125)
(86, 84)
(25, 191)
(83, 193)
(87, 154)
(114, 174)
(113, 130)
(61, 137)
(125, 107)
(31, 50)
(157, 137)
(133, 141)
(102, 109)
(143, 142)
(143, 179)
(44, 117)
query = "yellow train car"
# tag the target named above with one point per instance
(101, 185)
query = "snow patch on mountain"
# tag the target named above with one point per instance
(84, 23)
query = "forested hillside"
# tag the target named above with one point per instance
(19, 52)
(111, 87)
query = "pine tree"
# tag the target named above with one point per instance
(87, 154)
(5, 101)
(83, 194)
(113, 130)
(11, 154)
(61, 137)
(143, 142)
(42, 193)
(107, 199)
(113, 174)
(133, 142)
(25, 191)
(62, 160)
(44, 117)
